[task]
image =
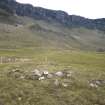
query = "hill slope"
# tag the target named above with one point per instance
(51, 15)
(17, 32)
(27, 26)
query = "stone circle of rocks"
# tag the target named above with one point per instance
(42, 75)
(37, 74)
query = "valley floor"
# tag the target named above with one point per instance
(85, 86)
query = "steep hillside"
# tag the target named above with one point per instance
(51, 15)
(19, 32)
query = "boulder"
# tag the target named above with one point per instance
(45, 72)
(41, 78)
(96, 83)
(49, 76)
(93, 85)
(59, 74)
(37, 72)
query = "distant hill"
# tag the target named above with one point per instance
(49, 15)
(22, 25)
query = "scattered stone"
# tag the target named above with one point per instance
(37, 72)
(49, 76)
(45, 72)
(41, 78)
(43, 75)
(100, 82)
(59, 74)
(96, 83)
(32, 77)
(93, 85)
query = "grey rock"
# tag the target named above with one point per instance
(96, 83)
(93, 85)
(45, 72)
(49, 76)
(32, 77)
(45, 14)
(59, 74)
(37, 72)
(41, 78)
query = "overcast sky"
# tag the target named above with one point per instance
(87, 8)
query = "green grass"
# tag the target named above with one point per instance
(85, 65)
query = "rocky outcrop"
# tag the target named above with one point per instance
(51, 15)
(8, 5)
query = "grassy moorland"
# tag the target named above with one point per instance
(85, 66)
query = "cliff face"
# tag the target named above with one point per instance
(49, 15)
